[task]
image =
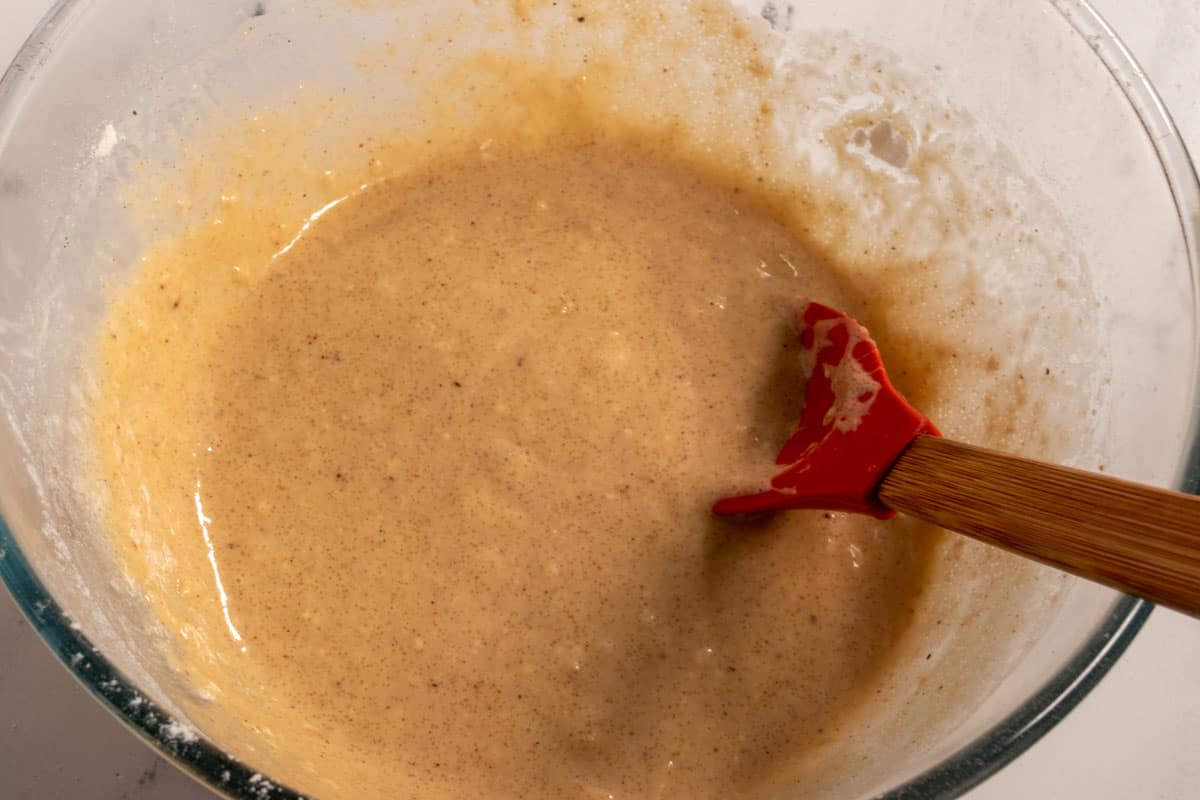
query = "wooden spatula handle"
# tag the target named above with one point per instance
(1138, 539)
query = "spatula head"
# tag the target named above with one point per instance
(853, 427)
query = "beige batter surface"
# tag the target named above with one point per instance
(436, 482)
(408, 422)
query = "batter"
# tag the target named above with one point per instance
(435, 483)
(408, 422)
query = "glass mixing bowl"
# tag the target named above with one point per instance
(1048, 77)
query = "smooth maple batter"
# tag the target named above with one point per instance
(407, 424)
(438, 479)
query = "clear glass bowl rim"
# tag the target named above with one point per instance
(950, 778)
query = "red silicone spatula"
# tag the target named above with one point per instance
(861, 447)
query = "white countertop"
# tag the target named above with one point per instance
(1136, 736)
